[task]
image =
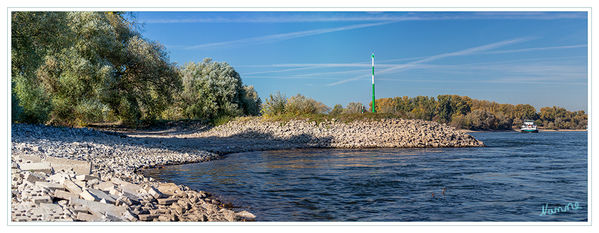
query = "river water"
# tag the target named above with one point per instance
(509, 180)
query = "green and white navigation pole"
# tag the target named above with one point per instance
(373, 107)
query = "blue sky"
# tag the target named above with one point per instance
(539, 58)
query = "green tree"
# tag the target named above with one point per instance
(213, 89)
(80, 67)
(337, 109)
(525, 112)
(250, 101)
(448, 105)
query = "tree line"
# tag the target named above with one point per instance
(75, 68)
(467, 113)
(461, 112)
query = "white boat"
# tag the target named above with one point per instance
(529, 127)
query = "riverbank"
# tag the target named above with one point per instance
(66, 174)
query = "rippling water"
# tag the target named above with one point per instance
(509, 180)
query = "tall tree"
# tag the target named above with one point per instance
(80, 67)
(214, 89)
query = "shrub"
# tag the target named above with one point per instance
(274, 105)
(354, 107)
(299, 105)
(337, 109)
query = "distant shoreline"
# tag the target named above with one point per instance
(517, 130)
(564, 130)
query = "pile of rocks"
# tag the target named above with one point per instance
(356, 134)
(63, 174)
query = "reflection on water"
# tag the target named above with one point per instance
(507, 181)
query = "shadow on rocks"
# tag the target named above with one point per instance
(241, 142)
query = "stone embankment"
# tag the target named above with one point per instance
(357, 134)
(63, 174)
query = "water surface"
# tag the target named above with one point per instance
(509, 180)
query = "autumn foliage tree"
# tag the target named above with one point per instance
(467, 113)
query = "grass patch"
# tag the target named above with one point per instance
(221, 120)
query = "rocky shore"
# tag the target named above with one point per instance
(67, 174)
(357, 134)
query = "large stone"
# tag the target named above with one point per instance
(41, 199)
(51, 208)
(81, 216)
(62, 164)
(147, 217)
(113, 218)
(86, 195)
(155, 193)
(32, 177)
(86, 177)
(168, 188)
(61, 194)
(129, 216)
(93, 182)
(50, 186)
(245, 214)
(72, 187)
(78, 208)
(101, 195)
(36, 167)
(58, 177)
(81, 183)
(166, 201)
(229, 215)
(105, 186)
(129, 188)
(99, 207)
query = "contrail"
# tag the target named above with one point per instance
(285, 36)
(437, 57)
(537, 49)
(308, 18)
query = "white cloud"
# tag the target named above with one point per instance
(284, 36)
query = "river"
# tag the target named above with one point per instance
(512, 179)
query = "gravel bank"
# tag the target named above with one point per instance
(357, 134)
(65, 174)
